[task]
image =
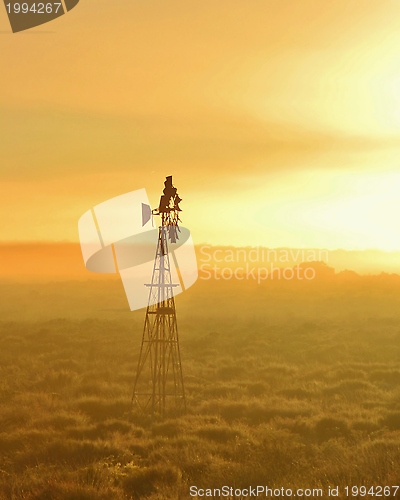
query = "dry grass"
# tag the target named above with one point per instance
(284, 388)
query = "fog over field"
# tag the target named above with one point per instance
(290, 384)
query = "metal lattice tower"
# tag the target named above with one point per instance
(159, 384)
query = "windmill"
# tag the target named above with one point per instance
(159, 383)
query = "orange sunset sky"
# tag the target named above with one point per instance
(279, 120)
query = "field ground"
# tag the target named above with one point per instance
(288, 385)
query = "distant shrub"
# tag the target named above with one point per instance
(11, 443)
(256, 389)
(61, 421)
(139, 449)
(114, 425)
(71, 452)
(101, 409)
(298, 426)
(389, 377)
(218, 391)
(218, 433)
(233, 411)
(349, 389)
(67, 364)
(71, 491)
(90, 432)
(142, 482)
(365, 426)
(14, 417)
(54, 380)
(328, 428)
(230, 372)
(257, 414)
(349, 373)
(392, 421)
(170, 428)
(297, 393)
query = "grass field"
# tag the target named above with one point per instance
(293, 385)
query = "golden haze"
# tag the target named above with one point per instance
(279, 120)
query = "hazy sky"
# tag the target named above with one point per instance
(280, 120)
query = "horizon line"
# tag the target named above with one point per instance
(203, 244)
